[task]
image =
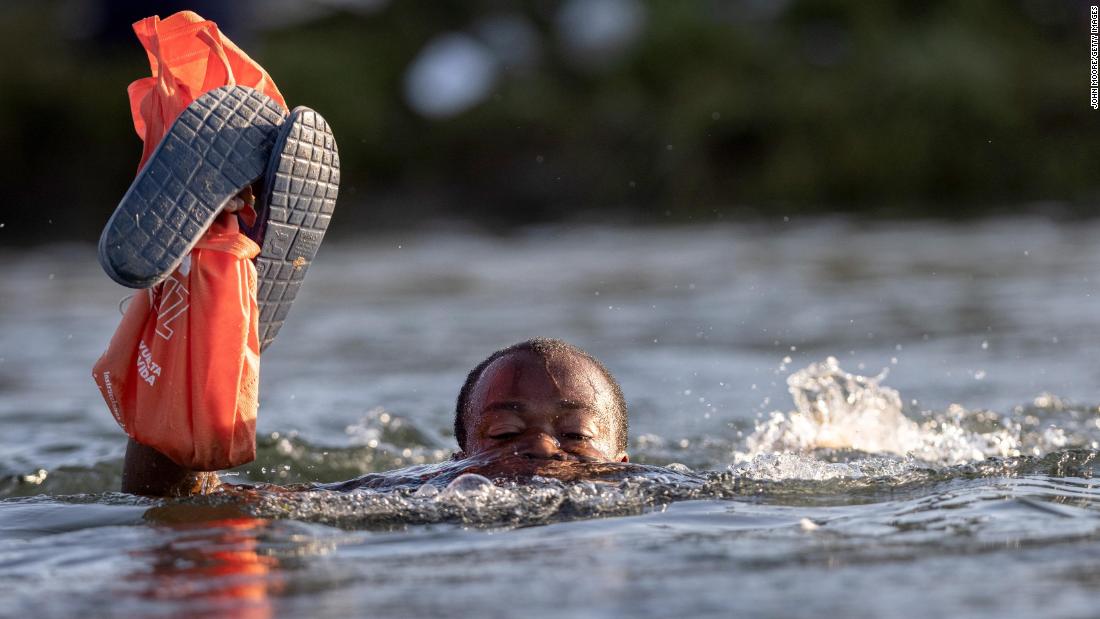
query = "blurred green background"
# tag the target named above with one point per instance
(497, 114)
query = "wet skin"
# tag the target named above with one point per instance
(528, 412)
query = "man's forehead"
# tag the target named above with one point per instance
(559, 374)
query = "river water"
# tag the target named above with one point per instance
(892, 420)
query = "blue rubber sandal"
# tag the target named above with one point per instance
(216, 147)
(294, 207)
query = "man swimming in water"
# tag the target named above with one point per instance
(540, 406)
(528, 409)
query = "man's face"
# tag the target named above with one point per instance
(557, 408)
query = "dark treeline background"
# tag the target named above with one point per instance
(503, 113)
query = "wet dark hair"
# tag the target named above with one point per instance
(543, 347)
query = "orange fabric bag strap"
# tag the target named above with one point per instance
(188, 56)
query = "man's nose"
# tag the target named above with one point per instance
(544, 446)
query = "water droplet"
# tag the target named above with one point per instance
(426, 491)
(467, 483)
(37, 477)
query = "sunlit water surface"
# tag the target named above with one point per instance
(780, 471)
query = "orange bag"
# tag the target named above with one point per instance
(181, 373)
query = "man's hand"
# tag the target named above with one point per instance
(150, 473)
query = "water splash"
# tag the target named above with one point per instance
(835, 409)
(449, 493)
(839, 411)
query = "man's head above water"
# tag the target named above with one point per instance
(543, 399)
